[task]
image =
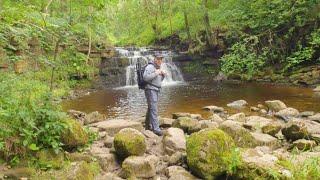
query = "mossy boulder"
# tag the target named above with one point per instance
(210, 153)
(50, 159)
(129, 142)
(187, 124)
(74, 135)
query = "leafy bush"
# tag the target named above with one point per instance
(29, 120)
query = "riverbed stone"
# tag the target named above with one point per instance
(254, 109)
(240, 117)
(139, 167)
(315, 117)
(74, 135)
(108, 141)
(93, 118)
(216, 118)
(306, 114)
(295, 129)
(275, 105)
(128, 142)
(174, 141)
(303, 144)
(187, 124)
(207, 124)
(180, 114)
(256, 123)
(178, 173)
(272, 128)
(166, 122)
(209, 153)
(265, 140)
(317, 89)
(287, 113)
(237, 104)
(241, 136)
(214, 109)
(114, 126)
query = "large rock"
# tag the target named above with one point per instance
(240, 117)
(259, 163)
(315, 117)
(128, 142)
(114, 126)
(306, 114)
(256, 122)
(272, 128)
(174, 141)
(216, 118)
(275, 105)
(94, 117)
(237, 104)
(295, 129)
(166, 122)
(178, 173)
(74, 135)
(209, 153)
(266, 140)
(287, 113)
(241, 136)
(215, 109)
(139, 167)
(187, 124)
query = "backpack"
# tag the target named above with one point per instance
(140, 71)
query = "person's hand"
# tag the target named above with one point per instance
(163, 73)
(158, 71)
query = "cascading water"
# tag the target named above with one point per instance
(144, 55)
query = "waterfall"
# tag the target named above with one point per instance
(144, 55)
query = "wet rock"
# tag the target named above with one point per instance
(303, 144)
(258, 163)
(216, 118)
(114, 126)
(214, 109)
(128, 142)
(287, 113)
(256, 122)
(174, 141)
(139, 167)
(265, 140)
(166, 122)
(187, 124)
(180, 114)
(317, 89)
(306, 114)
(179, 173)
(237, 104)
(295, 129)
(177, 158)
(93, 118)
(241, 136)
(315, 117)
(209, 153)
(272, 128)
(263, 111)
(240, 117)
(74, 135)
(275, 105)
(254, 109)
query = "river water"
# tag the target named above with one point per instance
(129, 103)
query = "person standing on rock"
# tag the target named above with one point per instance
(153, 76)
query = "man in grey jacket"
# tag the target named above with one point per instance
(154, 76)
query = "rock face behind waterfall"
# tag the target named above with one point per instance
(121, 69)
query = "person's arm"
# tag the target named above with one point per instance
(149, 73)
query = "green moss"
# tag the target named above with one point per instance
(308, 169)
(74, 135)
(128, 143)
(49, 159)
(210, 153)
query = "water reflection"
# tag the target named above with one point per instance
(130, 102)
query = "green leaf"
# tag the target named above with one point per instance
(33, 147)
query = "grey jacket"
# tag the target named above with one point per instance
(150, 76)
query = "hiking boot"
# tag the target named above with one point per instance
(159, 133)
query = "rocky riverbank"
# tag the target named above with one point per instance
(272, 141)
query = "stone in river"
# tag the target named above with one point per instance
(114, 126)
(238, 104)
(317, 89)
(214, 108)
(275, 105)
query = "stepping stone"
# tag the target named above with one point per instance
(114, 126)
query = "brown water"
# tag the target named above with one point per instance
(191, 97)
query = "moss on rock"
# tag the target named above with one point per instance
(49, 159)
(74, 135)
(210, 153)
(128, 142)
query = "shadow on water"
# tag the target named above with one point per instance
(130, 102)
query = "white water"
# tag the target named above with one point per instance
(145, 55)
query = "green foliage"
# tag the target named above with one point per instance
(29, 120)
(308, 169)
